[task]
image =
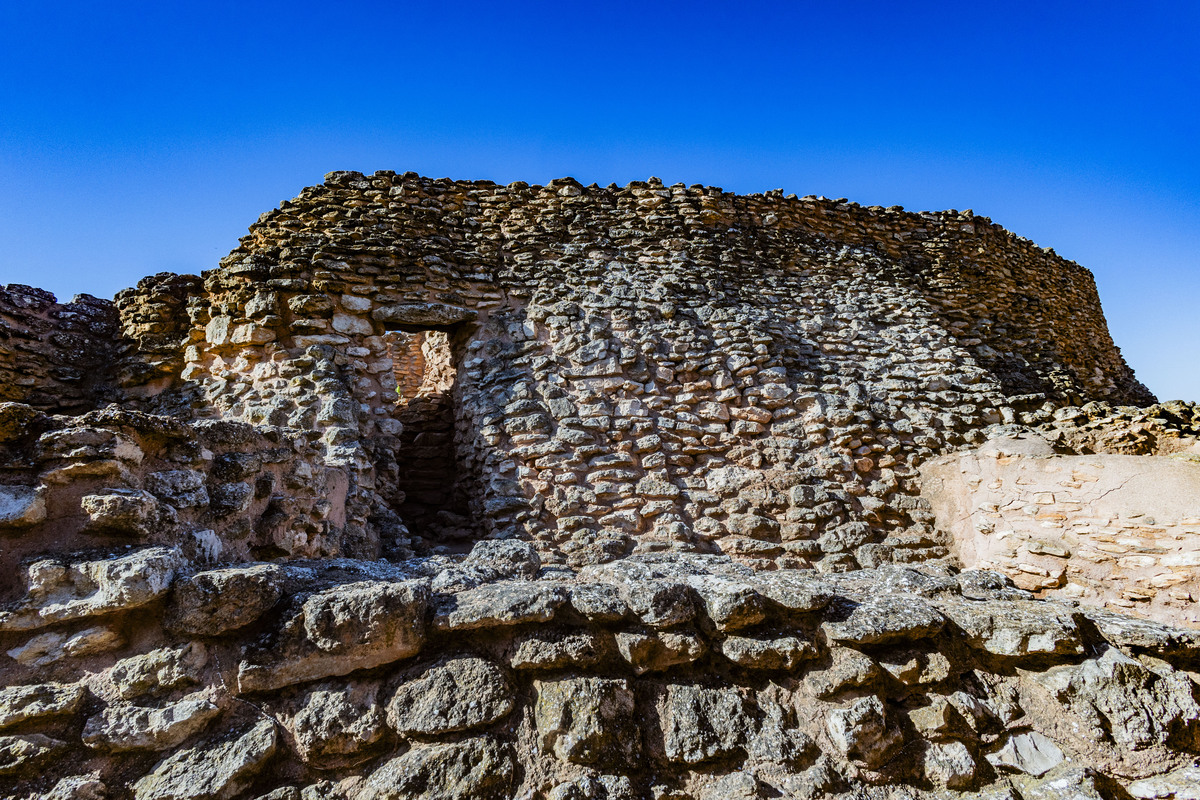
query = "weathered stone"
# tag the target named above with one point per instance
(47, 648)
(1069, 782)
(499, 605)
(21, 506)
(223, 600)
(655, 652)
(79, 787)
(126, 512)
(598, 602)
(885, 620)
(422, 314)
(782, 653)
(1015, 628)
(1029, 752)
(340, 630)
(700, 724)
(473, 769)
(862, 732)
(490, 560)
(587, 720)
(950, 764)
(1181, 784)
(661, 604)
(58, 592)
(161, 670)
(21, 755)
(180, 488)
(210, 772)
(729, 605)
(456, 695)
(335, 725)
(122, 727)
(38, 701)
(557, 649)
(848, 669)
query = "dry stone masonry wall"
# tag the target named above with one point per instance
(444, 489)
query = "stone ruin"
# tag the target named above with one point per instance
(444, 489)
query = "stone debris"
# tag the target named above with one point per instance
(453, 490)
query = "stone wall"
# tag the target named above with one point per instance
(644, 368)
(54, 355)
(456, 490)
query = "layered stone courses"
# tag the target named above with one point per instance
(456, 490)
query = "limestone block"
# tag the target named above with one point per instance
(22, 755)
(863, 733)
(700, 724)
(950, 765)
(783, 653)
(335, 725)
(587, 720)
(121, 728)
(58, 592)
(884, 620)
(558, 649)
(1029, 752)
(661, 650)
(181, 488)
(218, 601)
(47, 648)
(249, 333)
(340, 630)
(455, 695)
(1015, 628)
(422, 314)
(21, 506)
(210, 772)
(159, 670)
(473, 769)
(123, 511)
(19, 704)
(353, 325)
(499, 605)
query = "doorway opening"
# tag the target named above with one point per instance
(435, 501)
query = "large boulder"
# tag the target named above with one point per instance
(458, 694)
(210, 772)
(340, 630)
(222, 600)
(62, 592)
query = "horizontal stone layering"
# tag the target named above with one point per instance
(446, 489)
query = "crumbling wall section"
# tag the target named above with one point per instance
(55, 356)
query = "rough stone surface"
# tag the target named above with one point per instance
(457, 695)
(446, 489)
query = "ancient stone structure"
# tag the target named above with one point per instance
(444, 489)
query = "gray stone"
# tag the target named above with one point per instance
(950, 764)
(499, 605)
(885, 620)
(848, 669)
(21, 506)
(490, 560)
(587, 720)
(557, 649)
(212, 771)
(1017, 627)
(223, 600)
(52, 646)
(862, 732)
(60, 592)
(120, 728)
(455, 695)
(21, 755)
(38, 701)
(422, 314)
(340, 630)
(735, 786)
(1069, 782)
(1029, 752)
(655, 652)
(473, 769)
(659, 603)
(783, 653)
(160, 670)
(794, 591)
(598, 602)
(335, 725)
(79, 787)
(1182, 784)
(730, 605)
(128, 512)
(181, 488)
(701, 724)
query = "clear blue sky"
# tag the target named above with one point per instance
(141, 137)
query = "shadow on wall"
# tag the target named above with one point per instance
(435, 500)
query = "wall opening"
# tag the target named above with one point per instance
(435, 501)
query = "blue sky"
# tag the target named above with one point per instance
(141, 137)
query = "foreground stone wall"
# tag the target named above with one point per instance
(493, 677)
